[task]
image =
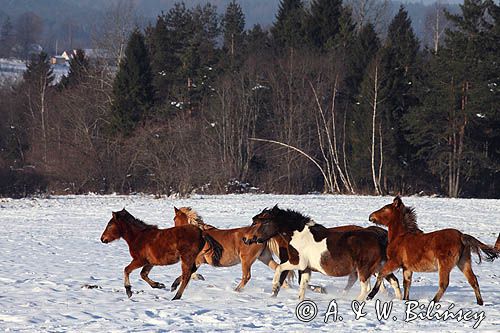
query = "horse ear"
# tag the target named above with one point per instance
(114, 214)
(397, 202)
(275, 207)
(176, 210)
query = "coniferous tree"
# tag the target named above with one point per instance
(289, 28)
(323, 22)
(233, 26)
(78, 67)
(167, 40)
(132, 88)
(454, 128)
(399, 67)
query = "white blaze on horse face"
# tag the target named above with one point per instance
(309, 250)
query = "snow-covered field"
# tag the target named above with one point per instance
(12, 70)
(50, 248)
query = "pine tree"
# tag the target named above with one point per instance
(78, 70)
(233, 26)
(399, 67)
(167, 40)
(132, 88)
(323, 22)
(289, 28)
(455, 129)
(364, 48)
(38, 71)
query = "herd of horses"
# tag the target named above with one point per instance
(302, 244)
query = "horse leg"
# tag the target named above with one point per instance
(267, 258)
(393, 280)
(306, 276)
(389, 267)
(353, 277)
(444, 280)
(465, 266)
(246, 266)
(188, 268)
(132, 266)
(286, 266)
(144, 275)
(407, 274)
(364, 279)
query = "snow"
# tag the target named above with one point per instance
(51, 254)
(11, 71)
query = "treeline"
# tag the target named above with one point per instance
(321, 102)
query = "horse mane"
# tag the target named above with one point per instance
(130, 219)
(194, 218)
(410, 220)
(295, 219)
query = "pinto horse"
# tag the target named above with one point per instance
(312, 247)
(150, 246)
(415, 251)
(235, 251)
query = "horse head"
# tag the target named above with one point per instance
(113, 230)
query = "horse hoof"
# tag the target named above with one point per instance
(159, 285)
(480, 302)
(176, 297)
(128, 290)
(238, 289)
(197, 277)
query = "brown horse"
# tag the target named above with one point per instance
(150, 246)
(415, 251)
(235, 251)
(312, 247)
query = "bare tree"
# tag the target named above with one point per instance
(113, 30)
(436, 24)
(376, 12)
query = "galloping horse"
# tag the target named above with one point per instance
(150, 246)
(416, 251)
(235, 251)
(312, 247)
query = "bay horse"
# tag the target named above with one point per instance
(415, 251)
(150, 246)
(235, 251)
(312, 247)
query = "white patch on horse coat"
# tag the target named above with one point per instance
(310, 251)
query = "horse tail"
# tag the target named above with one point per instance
(213, 246)
(477, 247)
(497, 244)
(273, 247)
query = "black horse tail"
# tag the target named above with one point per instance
(214, 247)
(477, 247)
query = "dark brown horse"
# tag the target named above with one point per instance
(150, 246)
(235, 251)
(312, 247)
(415, 251)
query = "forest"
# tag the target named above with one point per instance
(333, 97)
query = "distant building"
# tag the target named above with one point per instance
(58, 60)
